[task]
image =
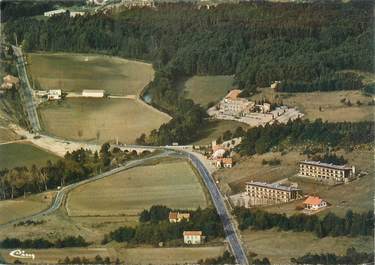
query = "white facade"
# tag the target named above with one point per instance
(193, 237)
(93, 93)
(54, 12)
(54, 94)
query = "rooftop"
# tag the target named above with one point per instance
(233, 94)
(193, 233)
(321, 164)
(275, 186)
(313, 200)
(93, 91)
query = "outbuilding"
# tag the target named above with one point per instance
(91, 93)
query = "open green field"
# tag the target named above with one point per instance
(216, 128)
(141, 256)
(86, 119)
(23, 154)
(71, 72)
(280, 247)
(21, 207)
(129, 192)
(331, 108)
(206, 89)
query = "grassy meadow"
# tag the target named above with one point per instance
(22, 207)
(280, 247)
(23, 154)
(128, 256)
(174, 184)
(73, 72)
(100, 119)
(206, 89)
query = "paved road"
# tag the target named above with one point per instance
(61, 194)
(26, 91)
(217, 198)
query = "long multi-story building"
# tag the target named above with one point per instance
(262, 193)
(325, 172)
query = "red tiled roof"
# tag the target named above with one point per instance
(173, 215)
(227, 160)
(193, 233)
(313, 200)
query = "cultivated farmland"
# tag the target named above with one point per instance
(23, 154)
(100, 119)
(76, 72)
(206, 89)
(174, 184)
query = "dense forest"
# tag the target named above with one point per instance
(353, 224)
(76, 166)
(303, 45)
(261, 139)
(157, 228)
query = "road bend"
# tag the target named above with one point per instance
(217, 198)
(26, 91)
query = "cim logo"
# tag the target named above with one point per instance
(18, 253)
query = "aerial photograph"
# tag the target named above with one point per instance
(187, 132)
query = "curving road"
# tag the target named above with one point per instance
(217, 198)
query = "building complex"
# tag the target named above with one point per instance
(262, 193)
(324, 172)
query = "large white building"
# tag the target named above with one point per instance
(91, 93)
(325, 172)
(54, 12)
(262, 193)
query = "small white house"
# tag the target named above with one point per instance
(54, 12)
(193, 237)
(314, 203)
(91, 93)
(54, 94)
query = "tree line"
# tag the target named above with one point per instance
(261, 139)
(159, 229)
(40, 243)
(353, 224)
(352, 256)
(75, 166)
(83, 260)
(257, 42)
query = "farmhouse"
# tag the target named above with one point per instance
(91, 93)
(54, 12)
(176, 217)
(324, 172)
(54, 94)
(235, 105)
(314, 203)
(262, 193)
(9, 82)
(193, 237)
